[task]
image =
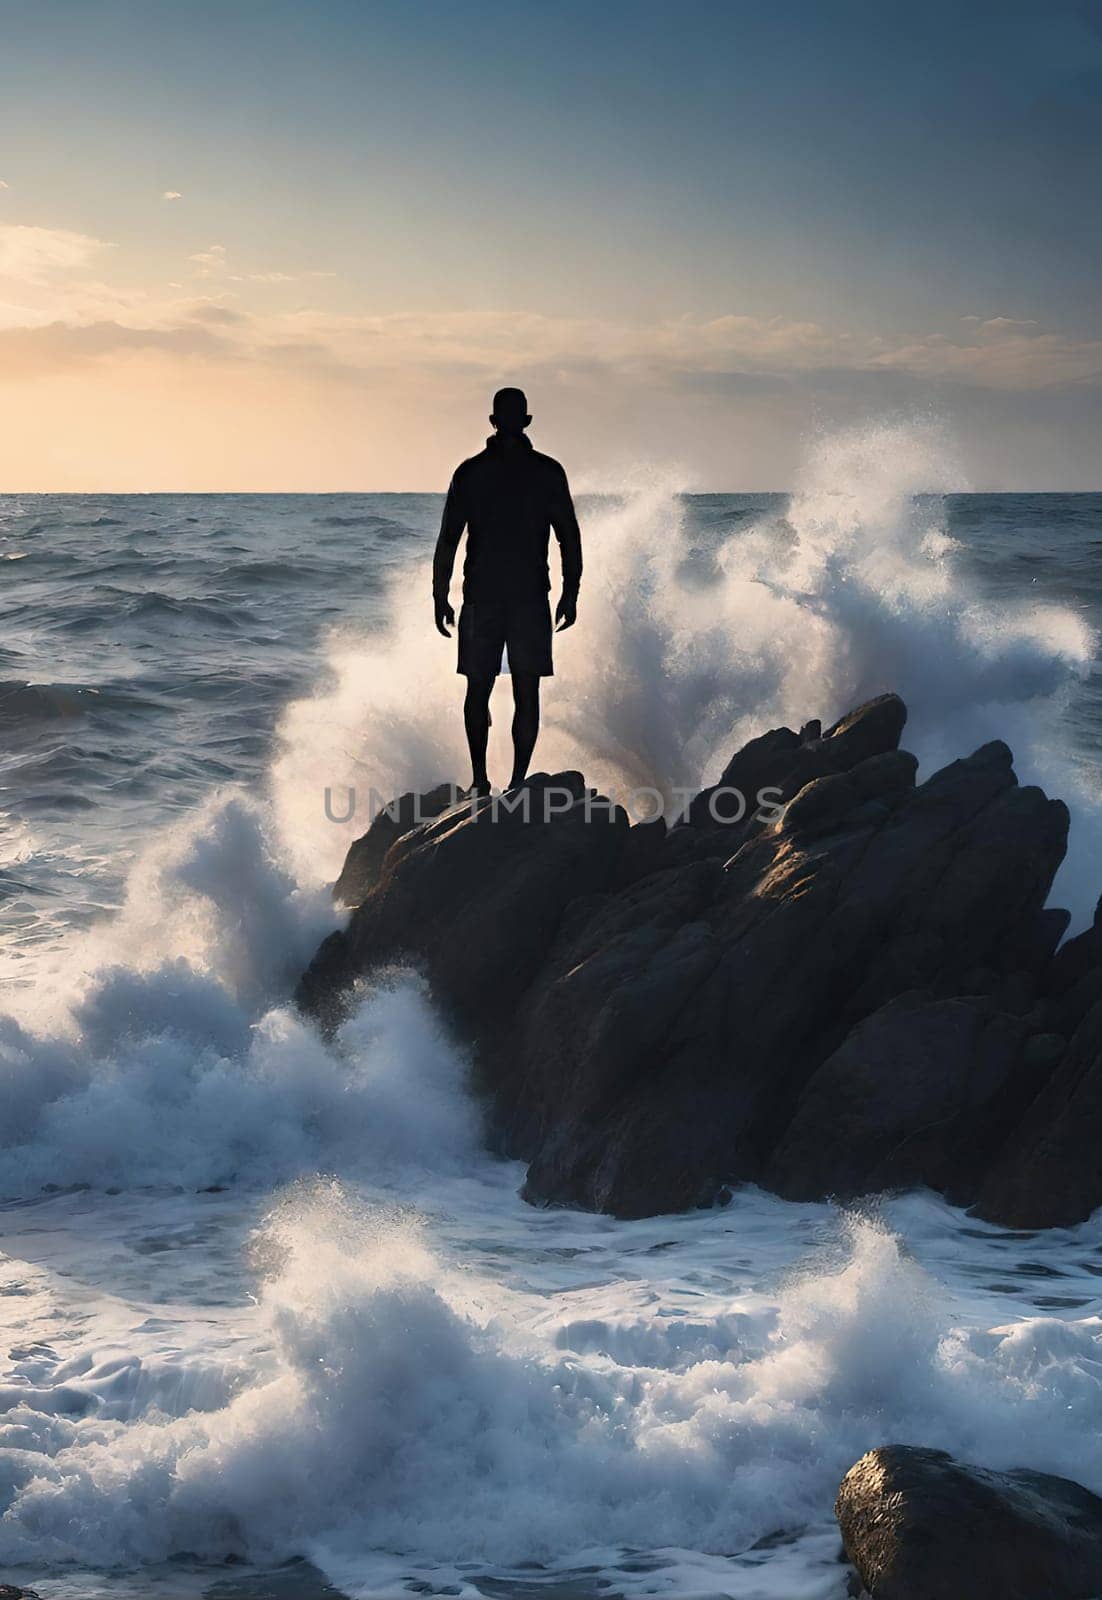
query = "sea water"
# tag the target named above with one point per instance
(267, 1300)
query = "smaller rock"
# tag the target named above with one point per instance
(781, 763)
(918, 1525)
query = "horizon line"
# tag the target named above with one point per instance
(276, 494)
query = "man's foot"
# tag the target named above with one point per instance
(479, 788)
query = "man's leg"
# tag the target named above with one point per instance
(476, 720)
(526, 722)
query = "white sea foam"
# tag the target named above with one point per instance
(209, 893)
(854, 591)
(166, 1081)
(411, 1410)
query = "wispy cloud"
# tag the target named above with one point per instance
(211, 311)
(4, 185)
(265, 277)
(211, 262)
(1004, 354)
(995, 325)
(60, 283)
(995, 352)
(34, 255)
(485, 339)
(172, 194)
(733, 353)
(278, 277)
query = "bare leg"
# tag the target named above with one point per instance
(526, 722)
(476, 720)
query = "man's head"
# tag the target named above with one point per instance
(510, 413)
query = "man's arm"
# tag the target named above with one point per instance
(452, 524)
(567, 532)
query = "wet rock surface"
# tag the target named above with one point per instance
(918, 1525)
(865, 993)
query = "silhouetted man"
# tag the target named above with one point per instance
(509, 499)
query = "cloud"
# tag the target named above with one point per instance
(730, 355)
(278, 277)
(172, 194)
(225, 315)
(996, 325)
(58, 347)
(4, 185)
(210, 261)
(1010, 357)
(487, 340)
(35, 255)
(721, 352)
(214, 262)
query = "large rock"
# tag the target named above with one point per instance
(665, 1046)
(918, 1525)
(657, 1013)
(1049, 1174)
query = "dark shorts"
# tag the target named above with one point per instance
(487, 627)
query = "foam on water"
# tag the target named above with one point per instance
(855, 590)
(406, 1411)
(408, 1375)
(168, 1082)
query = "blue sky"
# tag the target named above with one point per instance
(696, 231)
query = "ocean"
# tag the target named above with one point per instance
(268, 1300)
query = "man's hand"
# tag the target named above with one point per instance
(566, 613)
(445, 617)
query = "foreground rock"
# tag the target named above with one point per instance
(918, 1525)
(864, 993)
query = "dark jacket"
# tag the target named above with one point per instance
(509, 498)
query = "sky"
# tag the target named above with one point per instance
(261, 245)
